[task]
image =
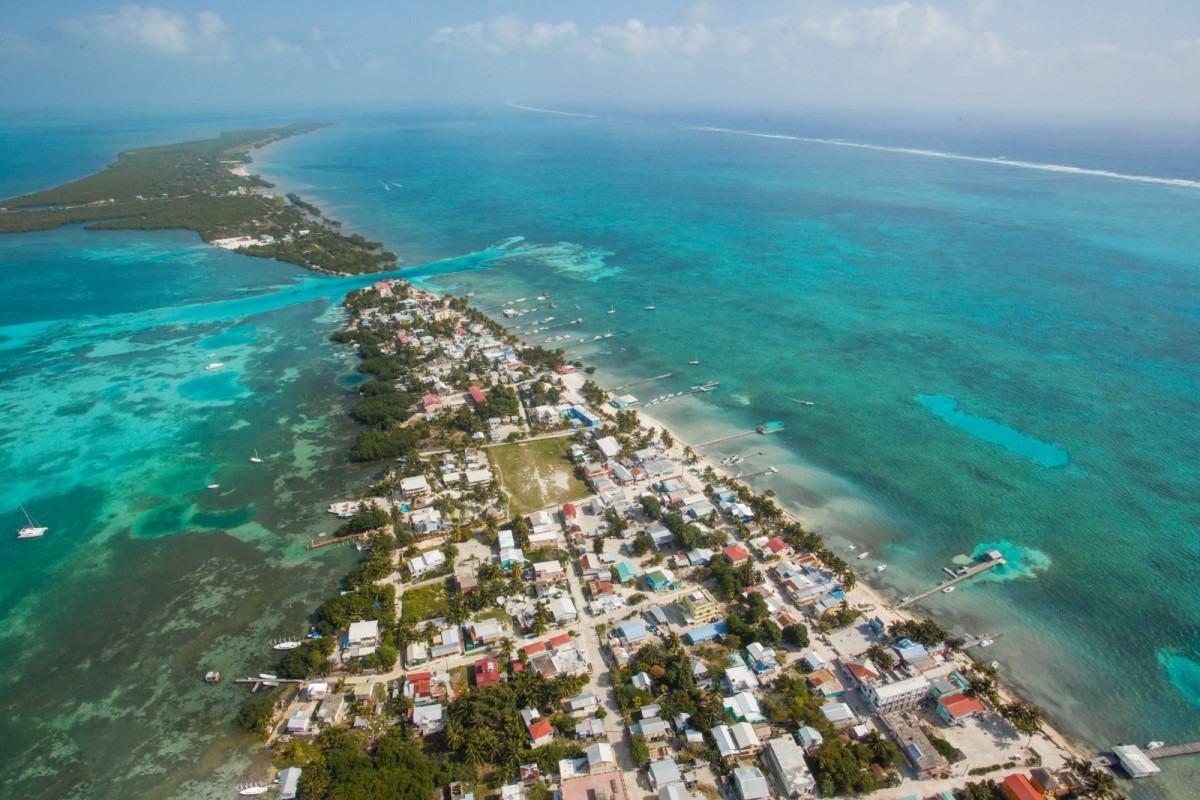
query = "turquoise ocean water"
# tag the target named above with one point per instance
(998, 354)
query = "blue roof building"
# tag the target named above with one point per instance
(705, 633)
(632, 631)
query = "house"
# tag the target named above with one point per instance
(1048, 783)
(541, 732)
(332, 709)
(569, 513)
(547, 571)
(600, 756)
(861, 670)
(925, 761)
(776, 546)
(289, 783)
(885, 698)
(632, 631)
(426, 562)
(626, 572)
(736, 554)
(813, 660)
(589, 728)
(809, 737)
(743, 707)
(426, 520)
(316, 690)
(431, 403)
(510, 556)
(416, 486)
(654, 728)
(361, 633)
(487, 672)
(1018, 787)
(464, 579)
(785, 759)
(590, 566)
(428, 720)
(699, 606)
(663, 773)
(762, 659)
(608, 447)
(705, 633)
(739, 679)
(750, 784)
(661, 579)
(476, 395)
(449, 643)
(583, 703)
(418, 687)
(958, 708)
(825, 683)
(483, 632)
(700, 674)
(735, 740)
(365, 692)
(563, 610)
(838, 713)
(298, 722)
(642, 681)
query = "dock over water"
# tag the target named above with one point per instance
(970, 572)
(1173, 750)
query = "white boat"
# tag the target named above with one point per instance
(215, 365)
(266, 676)
(1155, 745)
(255, 459)
(214, 486)
(906, 598)
(212, 677)
(853, 547)
(881, 568)
(994, 665)
(651, 308)
(948, 590)
(31, 530)
(987, 642)
(863, 555)
(612, 309)
(270, 683)
(286, 646)
(253, 791)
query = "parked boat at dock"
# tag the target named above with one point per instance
(285, 646)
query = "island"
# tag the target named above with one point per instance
(558, 597)
(203, 186)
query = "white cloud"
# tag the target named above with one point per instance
(154, 29)
(639, 41)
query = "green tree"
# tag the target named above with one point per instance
(881, 656)
(796, 635)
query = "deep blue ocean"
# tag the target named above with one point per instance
(1000, 353)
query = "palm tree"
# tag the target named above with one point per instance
(1025, 717)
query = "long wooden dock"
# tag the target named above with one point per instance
(971, 572)
(727, 438)
(644, 380)
(1173, 750)
(313, 545)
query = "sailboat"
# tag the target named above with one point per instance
(694, 362)
(31, 530)
(612, 309)
(255, 459)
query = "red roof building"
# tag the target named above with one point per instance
(957, 708)
(477, 396)
(417, 686)
(778, 546)
(568, 511)
(736, 554)
(533, 649)
(1018, 787)
(487, 672)
(541, 732)
(558, 641)
(430, 402)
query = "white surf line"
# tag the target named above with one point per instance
(1095, 173)
(550, 111)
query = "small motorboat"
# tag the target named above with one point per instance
(266, 676)
(948, 590)
(994, 665)
(253, 790)
(1155, 745)
(906, 598)
(285, 646)
(270, 683)
(651, 308)
(853, 547)
(215, 365)
(863, 555)
(214, 486)
(987, 642)
(881, 568)
(694, 362)
(212, 677)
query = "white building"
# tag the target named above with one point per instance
(416, 486)
(885, 698)
(563, 610)
(365, 632)
(786, 761)
(750, 783)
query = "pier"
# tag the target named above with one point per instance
(767, 471)
(313, 545)
(727, 438)
(258, 682)
(522, 312)
(707, 387)
(1173, 750)
(970, 572)
(624, 386)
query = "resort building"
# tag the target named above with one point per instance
(699, 607)
(885, 698)
(785, 759)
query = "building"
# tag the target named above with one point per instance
(426, 562)
(661, 579)
(762, 659)
(839, 714)
(428, 720)
(810, 737)
(563, 610)
(926, 762)
(289, 783)
(416, 486)
(1135, 762)
(785, 759)
(600, 757)
(626, 572)
(885, 698)
(743, 707)
(736, 554)
(547, 571)
(632, 631)
(663, 773)
(483, 632)
(735, 740)
(1018, 787)
(705, 633)
(958, 708)
(1048, 783)
(298, 722)
(749, 783)
(699, 607)
(487, 672)
(608, 447)
(739, 678)
(332, 709)
(477, 396)
(541, 732)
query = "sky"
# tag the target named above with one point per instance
(1091, 58)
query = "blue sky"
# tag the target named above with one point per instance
(1026, 57)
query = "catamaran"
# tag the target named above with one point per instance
(255, 459)
(32, 530)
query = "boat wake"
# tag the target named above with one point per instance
(1183, 183)
(550, 111)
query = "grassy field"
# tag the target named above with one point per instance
(424, 602)
(538, 474)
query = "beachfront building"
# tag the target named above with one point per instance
(926, 762)
(958, 708)
(785, 759)
(414, 487)
(897, 695)
(1018, 787)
